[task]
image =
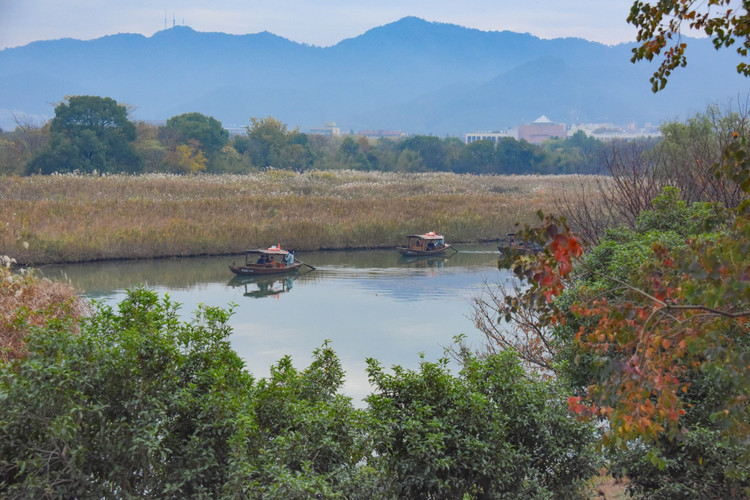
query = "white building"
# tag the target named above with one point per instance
(493, 136)
(329, 129)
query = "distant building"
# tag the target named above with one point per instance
(493, 136)
(328, 129)
(390, 134)
(542, 129)
(609, 131)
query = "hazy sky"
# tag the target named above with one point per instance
(317, 22)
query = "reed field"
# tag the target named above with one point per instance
(75, 218)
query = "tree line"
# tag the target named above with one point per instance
(94, 134)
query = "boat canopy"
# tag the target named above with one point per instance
(275, 250)
(427, 236)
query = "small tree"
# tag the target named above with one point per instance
(136, 405)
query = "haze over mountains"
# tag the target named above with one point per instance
(410, 75)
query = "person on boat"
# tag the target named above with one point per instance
(289, 258)
(430, 246)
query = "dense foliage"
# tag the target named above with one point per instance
(131, 402)
(93, 134)
(650, 329)
(492, 432)
(88, 134)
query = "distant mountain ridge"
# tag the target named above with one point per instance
(411, 75)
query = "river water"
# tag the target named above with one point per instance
(371, 303)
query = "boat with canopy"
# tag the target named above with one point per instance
(273, 260)
(424, 244)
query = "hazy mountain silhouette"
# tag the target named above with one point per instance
(411, 75)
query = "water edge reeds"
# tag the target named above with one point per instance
(76, 218)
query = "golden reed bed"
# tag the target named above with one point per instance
(72, 218)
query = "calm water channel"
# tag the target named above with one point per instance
(371, 303)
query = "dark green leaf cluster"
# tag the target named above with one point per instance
(139, 404)
(88, 134)
(207, 131)
(489, 432)
(136, 405)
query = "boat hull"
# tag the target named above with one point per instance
(411, 252)
(263, 270)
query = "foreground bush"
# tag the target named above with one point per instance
(490, 432)
(131, 402)
(137, 404)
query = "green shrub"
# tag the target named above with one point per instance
(136, 405)
(490, 432)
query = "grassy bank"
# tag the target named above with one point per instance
(80, 218)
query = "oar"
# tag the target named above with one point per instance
(305, 264)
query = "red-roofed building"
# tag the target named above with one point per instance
(542, 129)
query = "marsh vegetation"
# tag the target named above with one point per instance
(74, 218)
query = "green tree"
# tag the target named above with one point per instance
(312, 441)
(138, 404)
(479, 157)
(270, 144)
(431, 149)
(490, 432)
(517, 157)
(577, 154)
(89, 133)
(204, 131)
(349, 147)
(660, 28)
(410, 161)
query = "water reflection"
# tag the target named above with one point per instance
(371, 303)
(263, 287)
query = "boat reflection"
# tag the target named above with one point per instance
(264, 286)
(426, 261)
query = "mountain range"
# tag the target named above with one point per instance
(412, 75)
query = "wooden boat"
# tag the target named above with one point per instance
(260, 262)
(423, 244)
(519, 246)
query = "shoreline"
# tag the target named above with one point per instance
(169, 257)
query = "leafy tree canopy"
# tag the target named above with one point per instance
(206, 130)
(101, 115)
(271, 144)
(88, 133)
(660, 26)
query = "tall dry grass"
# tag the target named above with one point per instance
(72, 218)
(27, 301)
